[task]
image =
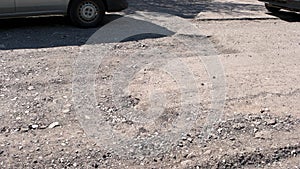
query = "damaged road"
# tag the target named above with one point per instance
(208, 88)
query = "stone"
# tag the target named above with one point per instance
(207, 152)
(53, 125)
(263, 135)
(186, 163)
(30, 88)
(270, 121)
(190, 139)
(66, 111)
(34, 126)
(24, 129)
(238, 126)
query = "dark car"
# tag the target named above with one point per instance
(85, 13)
(276, 5)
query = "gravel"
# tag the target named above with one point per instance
(260, 127)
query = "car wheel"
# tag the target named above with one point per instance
(271, 8)
(86, 13)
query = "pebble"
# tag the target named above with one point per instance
(190, 139)
(232, 138)
(191, 155)
(66, 111)
(34, 126)
(263, 135)
(30, 88)
(208, 152)
(270, 121)
(294, 153)
(264, 110)
(24, 129)
(186, 163)
(14, 99)
(53, 125)
(183, 138)
(180, 144)
(238, 126)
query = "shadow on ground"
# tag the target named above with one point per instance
(190, 8)
(56, 31)
(43, 32)
(287, 16)
(46, 32)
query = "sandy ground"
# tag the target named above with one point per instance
(259, 52)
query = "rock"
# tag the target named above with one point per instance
(95, 165)
(232, 138)
(34, 126)
(294, 153)
(14, 99)
(191, 155)
(270, 121)
(43, 127)
(208, 152)
(264, 110)
(68, 105)
(186, 163)
(180, 144)
(183, 138)
(66, 111)
(30, 88)
(190, 139)
(53, 125)
(238, 126)
(263, 135)
(24, 129)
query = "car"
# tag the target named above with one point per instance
(83, 13)
(275, 5)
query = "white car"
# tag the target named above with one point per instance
(84, 13)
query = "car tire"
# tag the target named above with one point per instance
(86, 13)
(271, 8)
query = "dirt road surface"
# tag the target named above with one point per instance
(164, 84)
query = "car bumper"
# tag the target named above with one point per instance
(116, 5)
(285, 4)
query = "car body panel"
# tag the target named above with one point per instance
(23, 8)
(7, 6)
(293, 5)
(40, 5)
(116, 5)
